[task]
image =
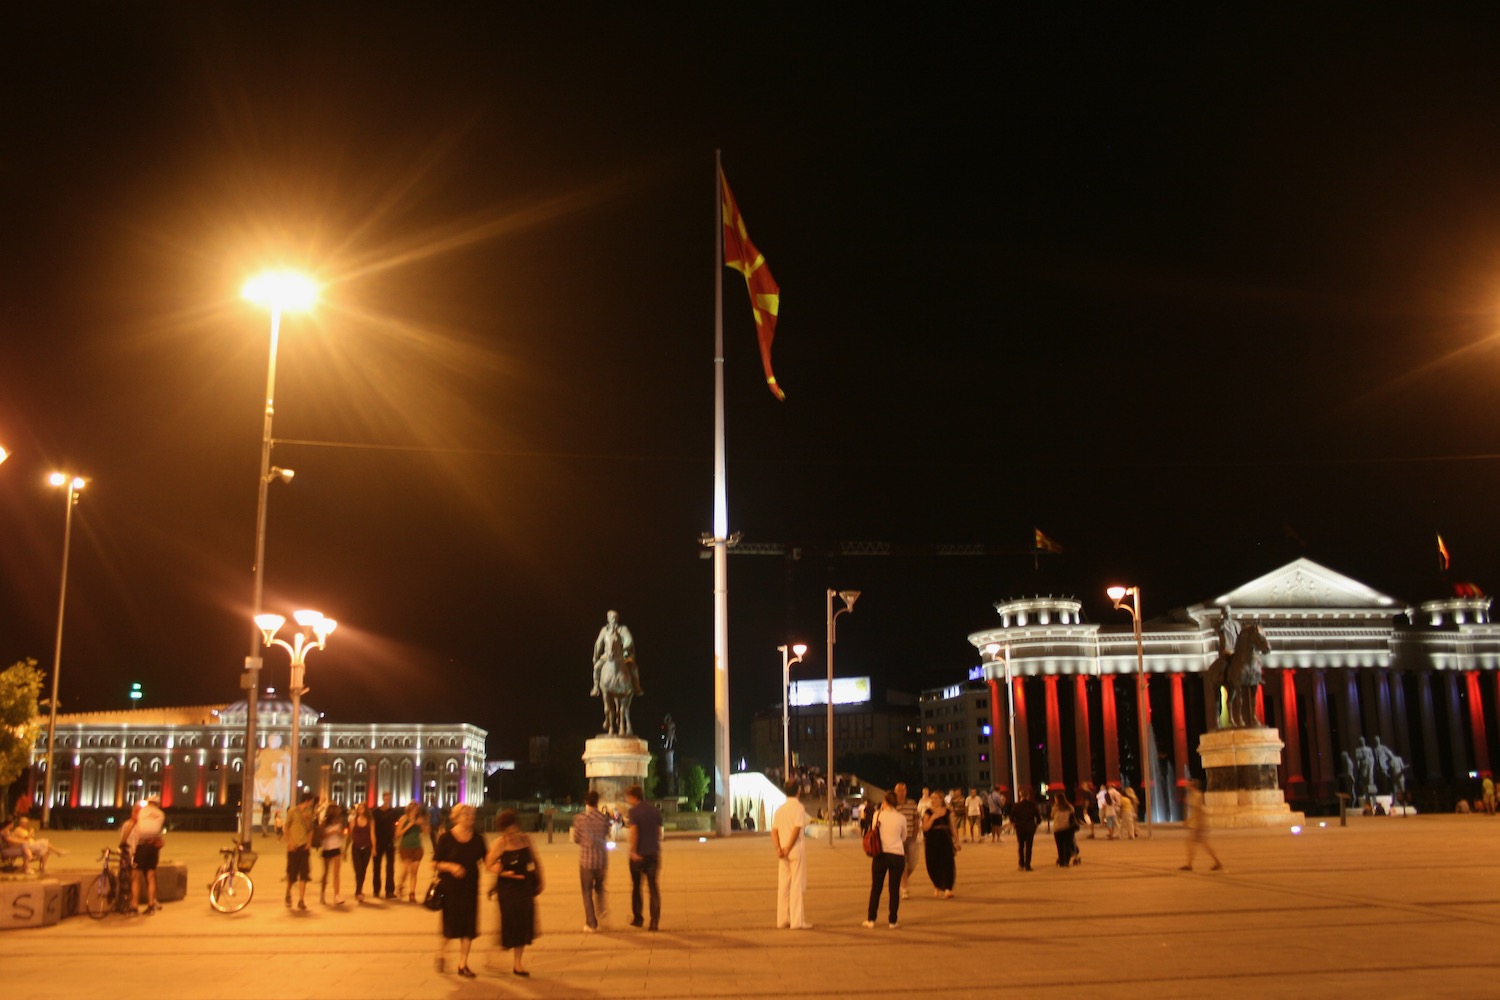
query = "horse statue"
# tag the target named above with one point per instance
(617, 688)
(1239, 678)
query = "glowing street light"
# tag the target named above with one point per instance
(799, 650)
(1118, 595)
(3, 453)
(848, 597)
(277, 291)
(312, 633)
(74, 484)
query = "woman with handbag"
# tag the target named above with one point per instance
(460, 851)
(889, 827)
(518, 885)
(941, 833)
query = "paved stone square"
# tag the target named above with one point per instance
(1388, 907)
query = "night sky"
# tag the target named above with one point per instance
(1195, 296)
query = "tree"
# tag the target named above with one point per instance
(648, 784)
(694, 785)
(20, 686)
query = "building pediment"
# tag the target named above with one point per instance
(1303, 586)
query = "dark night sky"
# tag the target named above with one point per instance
(1195, 296)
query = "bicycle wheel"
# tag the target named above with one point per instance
(100, 895)
(232, 892)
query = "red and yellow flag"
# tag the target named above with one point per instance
(1443, 553)
(765, 297)
(1045, 544)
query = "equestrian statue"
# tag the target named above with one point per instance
(1237, 671)
(617, 679)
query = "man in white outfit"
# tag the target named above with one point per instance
(787, 827)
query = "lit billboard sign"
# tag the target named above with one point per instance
(846, 691)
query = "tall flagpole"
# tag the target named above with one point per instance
(720, 534)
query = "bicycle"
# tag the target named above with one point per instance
(232, 888)
(109, 892)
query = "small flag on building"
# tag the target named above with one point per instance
(765, 296)
(1442, 553)
(1045, 544)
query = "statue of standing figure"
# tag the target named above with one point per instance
(1392, 766)
(1364, 772)
(617, 678)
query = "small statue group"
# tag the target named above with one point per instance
(1360, 771)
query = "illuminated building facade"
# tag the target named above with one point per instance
(1347, 664)
(193, 757)
(862, 724)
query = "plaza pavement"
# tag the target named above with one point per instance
(1389, 907)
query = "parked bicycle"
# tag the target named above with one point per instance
(232, 889)
(110, 892)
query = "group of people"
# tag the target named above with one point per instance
(19, 840)
(386, 834)
(944, 823)
(591, 832)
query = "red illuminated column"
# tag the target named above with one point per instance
(999, 739)
(1476, 723)
(1179, 732)
(1260, 705)
(370, 792)
(1023, 736)
(1081, 729)
(77, 784)
(1054, 733)
(1111, 730)
(1291, 735)
(166, 784)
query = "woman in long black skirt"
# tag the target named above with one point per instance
(518, 885)
(460, 851)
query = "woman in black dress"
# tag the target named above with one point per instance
(460, 852)
(942, 844)
(518, 885)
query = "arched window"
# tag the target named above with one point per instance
(338, 767)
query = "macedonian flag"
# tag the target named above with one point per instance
(765, 297)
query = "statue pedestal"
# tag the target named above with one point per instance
(614, 763)
(1240, 787)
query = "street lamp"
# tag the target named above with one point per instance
(995, 649)
(278, 291)
(1143, 701)
(309, 624)
(74, 484)
(848, 597)
(786, 680)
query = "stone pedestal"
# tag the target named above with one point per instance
(1240, 787)
(614, 763)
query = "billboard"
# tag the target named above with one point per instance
(846, 691)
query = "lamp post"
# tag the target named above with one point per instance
(278, 291)
(995, 649)
(848, 597)
(309, 624)
(74, 484)
(786, 682)
(1143, 701)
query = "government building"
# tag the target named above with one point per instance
(194, 757)
(1348, 667)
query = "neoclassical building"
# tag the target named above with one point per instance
(1347, 664)
(193, 757)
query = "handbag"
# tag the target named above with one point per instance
(434, 898)
(872, 838)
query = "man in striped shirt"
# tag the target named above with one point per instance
(591, 834)
(908, 809)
